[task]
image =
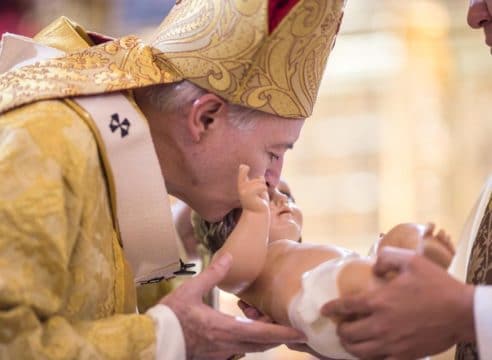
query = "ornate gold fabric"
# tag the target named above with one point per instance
(223, 46)
(66, 290)
(64, 284)
(65, 35)
(116, 65)
(479, 271)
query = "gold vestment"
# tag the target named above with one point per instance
(65, 288)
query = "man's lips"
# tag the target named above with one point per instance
(488, 35)
(488, 39)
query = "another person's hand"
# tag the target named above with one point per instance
(253, 193)
(210, 334)
(421, 311)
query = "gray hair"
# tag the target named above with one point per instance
(176, 97)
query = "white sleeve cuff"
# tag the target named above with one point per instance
(482, 312)
(170, 342)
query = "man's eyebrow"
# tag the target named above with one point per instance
(288, 146)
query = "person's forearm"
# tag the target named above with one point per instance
(248, 246)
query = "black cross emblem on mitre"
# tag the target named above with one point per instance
(115, 123)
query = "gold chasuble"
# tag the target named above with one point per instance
(64, 300)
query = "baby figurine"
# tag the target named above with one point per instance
(290, 281)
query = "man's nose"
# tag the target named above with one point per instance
(272, 178)
(478, 14)
(272, 174)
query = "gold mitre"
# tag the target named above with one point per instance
(263, 54)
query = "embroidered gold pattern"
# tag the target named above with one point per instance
(479, 272)
(227, 50)
(120, 64)
(63, 279)
(221, 45)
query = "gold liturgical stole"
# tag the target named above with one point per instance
(479, 271)
(142, 204)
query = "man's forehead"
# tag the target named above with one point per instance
(285, 133)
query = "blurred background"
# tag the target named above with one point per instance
(401, 128)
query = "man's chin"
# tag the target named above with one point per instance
(215, 215)
(232, 214)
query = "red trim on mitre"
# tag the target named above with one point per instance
(98, 38)
(277, 10)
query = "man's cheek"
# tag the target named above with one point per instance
(258, 170)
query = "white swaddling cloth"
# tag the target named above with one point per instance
(319, 286)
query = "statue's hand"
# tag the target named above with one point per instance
(253, 193)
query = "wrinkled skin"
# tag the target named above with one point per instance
(210, 334)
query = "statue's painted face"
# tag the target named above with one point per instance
(286, 216)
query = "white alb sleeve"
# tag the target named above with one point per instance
(170, 343)
(482, 312)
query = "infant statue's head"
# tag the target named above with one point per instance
(285, 220)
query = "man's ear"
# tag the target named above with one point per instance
(207, 112)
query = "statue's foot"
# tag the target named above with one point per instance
(439, 247)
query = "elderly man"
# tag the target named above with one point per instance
(94, 134)
(424, 310)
